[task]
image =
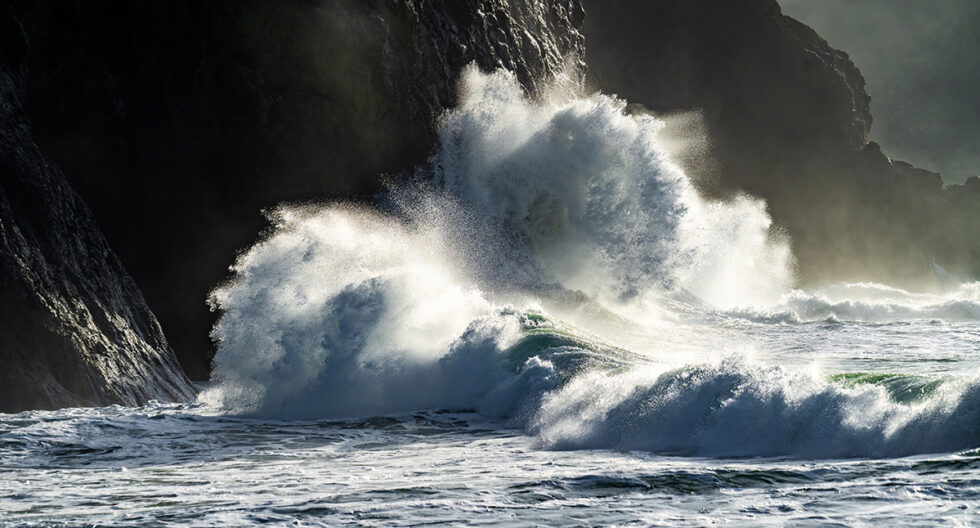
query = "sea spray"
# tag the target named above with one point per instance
(343, 312)
(573, 191)
(533, 209)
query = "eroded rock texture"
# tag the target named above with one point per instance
(74, 328)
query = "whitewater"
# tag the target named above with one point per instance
(546, 325)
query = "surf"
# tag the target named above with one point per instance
(538, 270)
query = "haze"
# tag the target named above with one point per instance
(922, 69)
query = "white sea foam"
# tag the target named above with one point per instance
(557, 203)
(735, 408)
(343, 312)
(873, 303)
(573, 191)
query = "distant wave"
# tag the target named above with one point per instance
(873, 303)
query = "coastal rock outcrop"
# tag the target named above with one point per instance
(74, 328)
(185, 119)
(179, 121)
(789, 119)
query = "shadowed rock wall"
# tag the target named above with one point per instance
(179, 121)
(74, 328)
(788, 118)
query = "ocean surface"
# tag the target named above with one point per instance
(548, 326)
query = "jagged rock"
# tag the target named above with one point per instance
(74, 328)
(184, 119)
(788, 118)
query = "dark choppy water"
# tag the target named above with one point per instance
(171, 465)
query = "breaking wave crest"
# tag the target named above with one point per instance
(454, 292)
(734, 408)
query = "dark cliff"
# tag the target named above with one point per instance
(74, 328)
(178, 121)
(184, 119)
(788, 117)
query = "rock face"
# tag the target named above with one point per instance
(789, 120)
(179, 121)
(74, 328)
(184, 119)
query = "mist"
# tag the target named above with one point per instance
(921, 65)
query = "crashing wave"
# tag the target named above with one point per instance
(535, 212)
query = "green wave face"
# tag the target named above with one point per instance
(901, 388)
(569, 349)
